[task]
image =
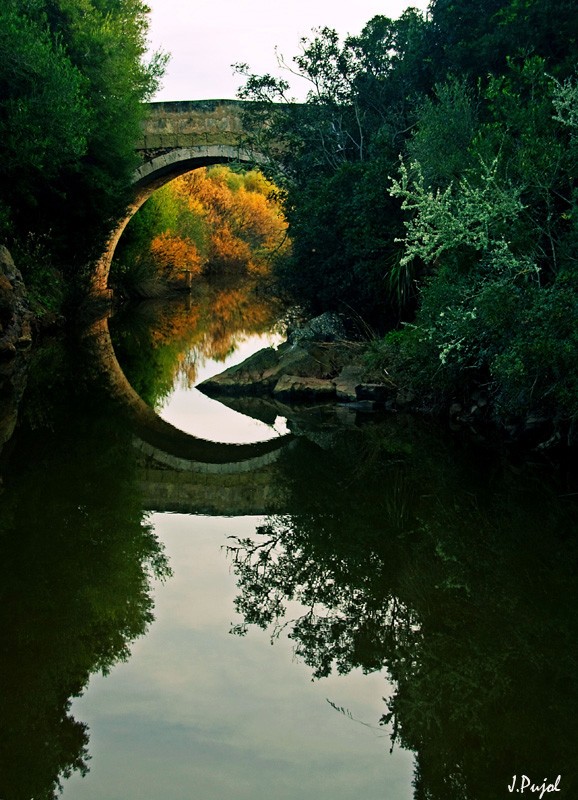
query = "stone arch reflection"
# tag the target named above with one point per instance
(163, 441)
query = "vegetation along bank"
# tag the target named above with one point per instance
(430, 191)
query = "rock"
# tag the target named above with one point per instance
(257, 374)
(362, 405)
(404, 397)
(327, 327)
(7, 266)
(7, 350)
(6, 295)
(15, 337)
(348, 381)
(295, 386)
(376, 392)
(15, 315)
(24, 341)
(260, 373)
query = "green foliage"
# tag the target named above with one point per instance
(44, 113)
(340, 252)
(498, 242)
(474, 215)
(496, 329)
(72, 83)
(333, 154)
(467, 243)
(442, 141)
(477, 36)
(164, 212)
(45, 284)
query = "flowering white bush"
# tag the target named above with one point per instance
(473, 212)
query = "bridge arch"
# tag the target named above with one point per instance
(177, 138)
(163, 166)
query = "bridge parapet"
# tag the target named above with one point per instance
(191, 123)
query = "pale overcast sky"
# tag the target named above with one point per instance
(204, 37)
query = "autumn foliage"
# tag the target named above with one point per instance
(212, 221)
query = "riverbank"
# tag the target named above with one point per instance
(318, 364)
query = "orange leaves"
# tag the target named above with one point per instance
(208, 324)
(174, 255)
(216, 220)
(243, 221)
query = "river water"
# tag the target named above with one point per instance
(378, 608)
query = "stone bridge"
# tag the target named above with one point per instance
(176, 138)
(183, 472)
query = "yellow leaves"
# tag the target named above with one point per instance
(209, 325)
(174, 255)
(242, 220)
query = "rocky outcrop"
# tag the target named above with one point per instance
(304, 370)
(316, 363)
(15, 314)
(327, 327)
(15, 341)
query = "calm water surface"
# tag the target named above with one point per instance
(428, 586)
(198, 709)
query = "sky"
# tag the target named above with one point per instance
(205, 37)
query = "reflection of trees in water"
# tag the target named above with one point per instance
(78, 559)
(456, 574)
(160, 343)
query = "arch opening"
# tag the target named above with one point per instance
(157, 438)
(152, 175)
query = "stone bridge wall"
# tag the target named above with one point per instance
(191, 123)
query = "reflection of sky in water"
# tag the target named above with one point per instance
(193, 412)
(199, 713)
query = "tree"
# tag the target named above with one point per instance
(477, 37)
(333, 153)
(498, 244)
(214, 220)
(44, 114)
(73, 81)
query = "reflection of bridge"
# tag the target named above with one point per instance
(185, 473)
(225, 494)
(183, 466)
(176, 138)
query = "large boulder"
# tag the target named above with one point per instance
(259, 374)
(294, 387)
(15, 338)
(327, 327)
